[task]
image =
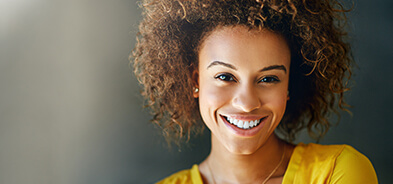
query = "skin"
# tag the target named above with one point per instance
(243, 74)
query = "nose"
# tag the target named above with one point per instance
(246, 99)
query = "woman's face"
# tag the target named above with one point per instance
(243, 81)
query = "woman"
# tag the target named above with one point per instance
(250, 69)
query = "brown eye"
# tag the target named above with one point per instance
(270, 79)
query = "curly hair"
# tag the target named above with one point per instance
(171, 32)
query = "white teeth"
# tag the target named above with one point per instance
(243, 124)
(251, 124)
(240, 124)
(246, 125)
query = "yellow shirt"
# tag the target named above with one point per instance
(309, 163)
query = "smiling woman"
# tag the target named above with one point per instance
(250, 69)
(242, 79)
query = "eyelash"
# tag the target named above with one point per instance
(270, 79)
(222, 77)
(226, 77)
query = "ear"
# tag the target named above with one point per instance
(195, 83)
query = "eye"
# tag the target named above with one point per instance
(225, 77)
(270, 79)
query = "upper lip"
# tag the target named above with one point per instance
(244, 117)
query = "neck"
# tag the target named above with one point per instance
(229, 167)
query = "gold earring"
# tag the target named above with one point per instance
(288, 95)
(196, 90)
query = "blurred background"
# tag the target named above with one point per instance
(70, 109)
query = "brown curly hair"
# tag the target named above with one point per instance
(172, 31)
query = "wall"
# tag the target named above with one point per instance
(70, 109)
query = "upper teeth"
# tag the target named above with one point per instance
(243, 124)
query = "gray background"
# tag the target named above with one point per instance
(70, 109)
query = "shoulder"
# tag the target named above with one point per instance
(188, 176)
(353, 167)
(315, 163)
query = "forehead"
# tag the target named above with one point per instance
(239, 44)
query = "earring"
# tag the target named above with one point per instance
(288, 95)
(196, 90)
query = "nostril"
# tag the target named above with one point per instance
(246, 98)
(247, 105)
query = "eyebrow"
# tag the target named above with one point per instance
(272, 67)
(221, 63)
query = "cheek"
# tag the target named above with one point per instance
(211, 98)
(276, 100)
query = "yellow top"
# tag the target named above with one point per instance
(309, 163)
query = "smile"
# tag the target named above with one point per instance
(243, 124)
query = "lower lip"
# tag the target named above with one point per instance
(244, 132)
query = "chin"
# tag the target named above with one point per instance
(237, 151)
(242, 148)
